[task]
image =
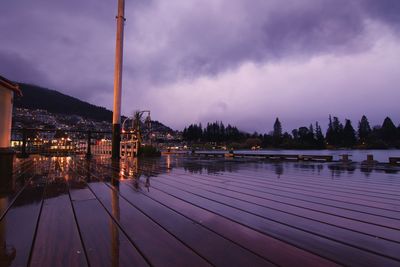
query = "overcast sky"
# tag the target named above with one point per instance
(188, 61)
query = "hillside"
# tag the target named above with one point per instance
(36, 97)
(54, 102)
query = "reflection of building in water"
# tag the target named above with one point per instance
(129, 168)
(128, 148)
(135, 169)
(168, 158)
(101, 147)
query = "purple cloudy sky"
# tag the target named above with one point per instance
(243, 62)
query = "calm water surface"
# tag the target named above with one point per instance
(355, 155)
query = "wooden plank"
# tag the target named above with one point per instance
(319, 178)
(366, 228)
(330, 201)
(9, 191)
(347, 193)
(328, 207)
(386, 210)
(366, 242)
(78, 189)
(105, 244)
(218, 250)
(159, 246)
(333, 185)
(288, 203)
(377, 181)
(277, 251)
(19, 224)
(326, 248)
(325, 183)
(57, 224)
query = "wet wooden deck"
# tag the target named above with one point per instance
(177, 211)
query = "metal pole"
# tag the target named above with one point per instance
(24, 154)
(89, 142)
(116, 136)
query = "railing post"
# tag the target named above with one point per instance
(7, 183)
(23, 149)
(88, 147)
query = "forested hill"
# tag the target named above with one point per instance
(35, 97)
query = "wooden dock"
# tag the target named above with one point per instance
(177, 211)
(273, 157)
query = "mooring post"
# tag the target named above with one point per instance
(345, 158)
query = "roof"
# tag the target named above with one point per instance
(10, 85)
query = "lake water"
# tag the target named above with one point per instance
(355, 155)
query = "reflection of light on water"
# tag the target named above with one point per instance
(168, 163)
(122, 175)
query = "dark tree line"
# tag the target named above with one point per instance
(337, 135)
(213, 132)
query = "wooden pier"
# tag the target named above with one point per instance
(287, 157)
(178, 211)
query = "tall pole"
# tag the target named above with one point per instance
(116, 135)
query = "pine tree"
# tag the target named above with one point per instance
(349, 135)
(277, 133)
(329, 132)
(319, 136)
(364, 129)
(311, 135)
(388, 131)
(334, 134)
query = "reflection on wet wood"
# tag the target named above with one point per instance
(311, 242)
(57, 223)
(222, 253)
(69, 211)
(278, 210)
(265, 246)
(156, 244)
(95, 224)
(19, 223)
(280, 199)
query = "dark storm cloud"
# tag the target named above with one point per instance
(210, 38)
(199, 37)
(16, 68)
(386, 10)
